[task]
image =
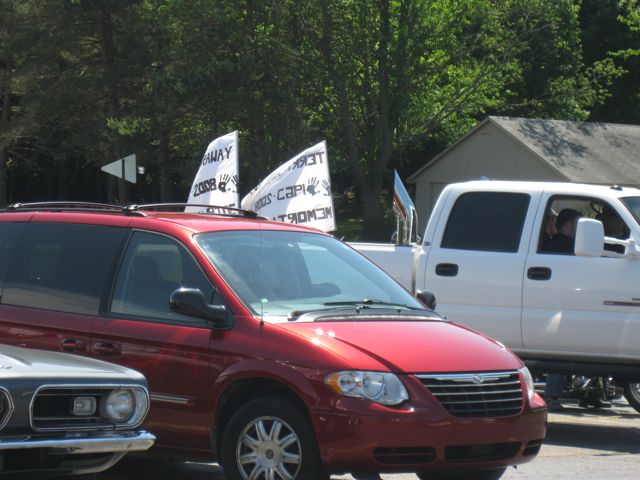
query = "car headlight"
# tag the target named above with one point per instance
(126, 406)
(383, 388)
(528, 382)
(120, 405)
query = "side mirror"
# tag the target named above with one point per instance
(191, 301)
(427, 298)
(589, 238)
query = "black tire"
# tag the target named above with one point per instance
(476, 475)
(286, 434)
(632, 394)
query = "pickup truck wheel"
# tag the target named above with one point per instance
(476, 475)
(632, 394)
(269, 438)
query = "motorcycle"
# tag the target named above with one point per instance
(632, 394)
(591, 391)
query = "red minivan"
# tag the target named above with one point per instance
(274, 349)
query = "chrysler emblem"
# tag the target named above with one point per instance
(477, 379)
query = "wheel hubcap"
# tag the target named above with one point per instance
(269, 449)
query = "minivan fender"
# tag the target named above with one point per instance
(247, 380)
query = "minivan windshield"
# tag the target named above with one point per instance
(279, 273)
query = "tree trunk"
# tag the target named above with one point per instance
(260, 168)
(369, 191)
(63, 180)
(374, 224)
(5, 118)
(112, 107)
(166, 191)
(3, 177)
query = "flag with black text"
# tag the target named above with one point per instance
(216, 182)
(298, 191)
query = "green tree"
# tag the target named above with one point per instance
(70, 86)
(380, 80)
(610, 32)
(402, 71)
(7, 88)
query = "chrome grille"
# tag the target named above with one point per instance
(6, 407)
(51, 409)
(482, 394)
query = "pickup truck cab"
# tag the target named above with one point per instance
(485, 255)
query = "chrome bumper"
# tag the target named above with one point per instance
(79, 443)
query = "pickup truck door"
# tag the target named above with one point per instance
(476, 261)
(580, 307)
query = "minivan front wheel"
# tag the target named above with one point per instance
(270, 438)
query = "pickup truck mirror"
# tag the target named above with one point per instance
(589, 238)
(590, 242)
(191, 301)
(427, 298)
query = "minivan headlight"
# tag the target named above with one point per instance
(528, 382)
(380, 387)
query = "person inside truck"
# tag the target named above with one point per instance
(549, 230)
(566, 223)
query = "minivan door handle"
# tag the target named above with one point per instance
(446, 269)
(106, 348)
(73, 345)
(539, 273)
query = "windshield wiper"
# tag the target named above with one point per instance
(369, 301)
(293, 316)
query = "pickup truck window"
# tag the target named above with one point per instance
(633, 204)
(589, 207)
(486, 221)
(276, 273)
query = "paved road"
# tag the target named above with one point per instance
(581, 444)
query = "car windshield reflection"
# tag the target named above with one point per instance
(276, 273)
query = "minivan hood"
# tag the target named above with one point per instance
(423, 346)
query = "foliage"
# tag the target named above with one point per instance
(610, 39)
(387, 83)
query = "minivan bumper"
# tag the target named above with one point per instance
(418, 439)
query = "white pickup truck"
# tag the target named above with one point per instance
(485, 256)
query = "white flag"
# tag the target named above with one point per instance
(298, 191)
(216, 182)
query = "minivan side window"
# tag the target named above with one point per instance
(486, 221)
(9, 235)
(62, 266)
(154, 266)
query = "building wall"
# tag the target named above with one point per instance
(488, 152)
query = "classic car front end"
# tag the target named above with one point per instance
(64, 414)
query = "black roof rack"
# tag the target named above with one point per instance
(66, 205)
(59, 206)
(211, 209)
